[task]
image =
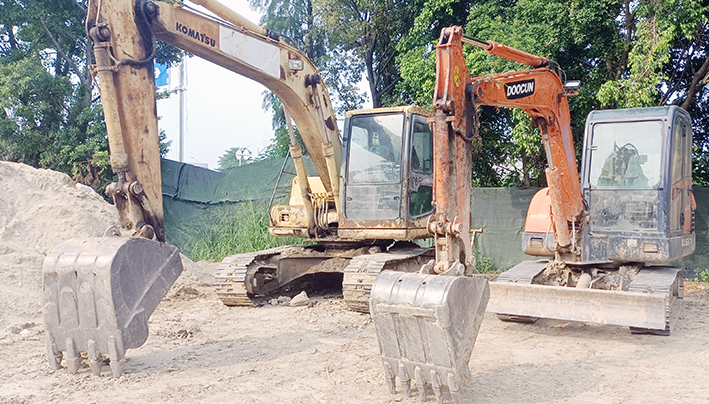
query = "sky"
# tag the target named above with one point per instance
(223, 109)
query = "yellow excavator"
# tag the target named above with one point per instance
(372, 196)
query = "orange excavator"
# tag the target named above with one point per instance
(632, 205)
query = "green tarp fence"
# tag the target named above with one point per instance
(194, 197)
(193, 194)
(251, 182)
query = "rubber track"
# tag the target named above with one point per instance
(360, 274)
(668, 281)
(524, 272)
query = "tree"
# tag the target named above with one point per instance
(50, 114)
(626, 53)
(416, 58)
(279, 146)
(366, 34)
(296, 21)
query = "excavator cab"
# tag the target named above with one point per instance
(637, 182)
(387, 180)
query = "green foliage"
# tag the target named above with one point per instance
(649, 53)
(297, 20)
(342, 72)
(418, 70)
(367, 32)
(48, 114)
(416, 57)
(234, 229)
(32, 104)
(483, 264)
(279, 146)
(702, 276)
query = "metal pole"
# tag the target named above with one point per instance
(181, 120)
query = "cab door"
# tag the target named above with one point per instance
(373, 177)
(420, 189)
(681, 198)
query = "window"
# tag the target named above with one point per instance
(421, 193)
(626, 155)
(422, 148)
(375, 149)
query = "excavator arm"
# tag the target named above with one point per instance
(538, 91)
(124, 33)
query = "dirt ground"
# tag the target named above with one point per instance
(200, 351)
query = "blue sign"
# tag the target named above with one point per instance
(162, 75)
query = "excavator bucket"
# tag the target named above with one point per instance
(98, 296)
(426, 326)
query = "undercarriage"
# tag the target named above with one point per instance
(243, 278)
(648, 299)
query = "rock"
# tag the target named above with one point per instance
(301, 299)
(85, 188)
(280, 301)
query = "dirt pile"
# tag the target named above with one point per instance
(39, 209)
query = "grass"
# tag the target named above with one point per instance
(702, 276)
(486, 265)
(232, 229)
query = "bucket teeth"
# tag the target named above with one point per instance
(73, 359)
(93, 358)
(117, 355)
(436, 384)
(54, 355)
(420, 383)
(454, 389)
(390, 378)
(405, 380)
